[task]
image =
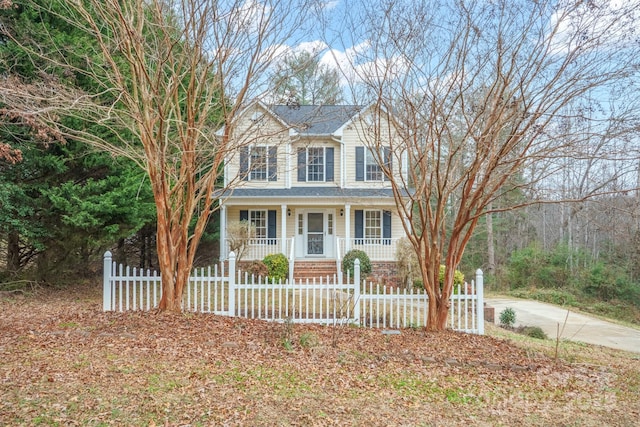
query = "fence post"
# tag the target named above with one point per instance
(356, 290)
(106, 283)
(232, 284)
(480, 301)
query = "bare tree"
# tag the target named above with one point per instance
(301, 79)
(168, 75)
(478, 91)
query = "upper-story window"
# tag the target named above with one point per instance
(315, 164)
(372, 170)
(367, 167)
(259, 163)
(258, 159)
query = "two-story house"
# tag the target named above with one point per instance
(310, 187)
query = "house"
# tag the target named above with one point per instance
(311, 188)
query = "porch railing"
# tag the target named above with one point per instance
(257, 249)
(376, 249)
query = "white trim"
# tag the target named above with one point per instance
(222, 247)
(283, 228)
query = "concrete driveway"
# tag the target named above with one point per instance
(578, 327)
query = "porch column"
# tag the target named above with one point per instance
(283, 229)
(347, 228)
(223, 233)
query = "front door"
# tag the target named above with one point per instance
(315, 233)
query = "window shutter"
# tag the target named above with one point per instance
(302, 164)
(329, 166)
(387, 161)
(359, 226)
(359, 163)
(386, 227)
(244, 215)
(273, 164)
(244, 163)
(271, 225)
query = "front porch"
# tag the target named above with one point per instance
(313, 225)
(258, 248)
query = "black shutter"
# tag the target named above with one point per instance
(359, 226)
(244, 163)
(359, 163)
(271, 226)
(329, 168)
(302, 164)
(273, 164)
(244, 215)
(387, 161)
(386, 227)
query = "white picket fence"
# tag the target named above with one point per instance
(324, 300)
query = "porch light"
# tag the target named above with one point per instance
(288, 212)
(341, 212)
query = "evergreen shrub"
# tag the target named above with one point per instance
(277, 266)
(349, 259)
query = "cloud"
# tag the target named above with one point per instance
(330, 4)
(356, 64)
(597, 24)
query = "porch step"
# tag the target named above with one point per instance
(314, 269)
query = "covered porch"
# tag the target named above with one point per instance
(312, 224)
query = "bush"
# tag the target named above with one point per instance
(407, 264)
(349, 259)
(258, 268)
(458, 279)
(277, 266)
(533, 332)
(507, 318)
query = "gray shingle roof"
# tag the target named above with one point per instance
(315, 119)
(313, 192)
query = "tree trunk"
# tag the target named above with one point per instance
(168, 262)
(438, 314)
(13, 252)
(491, 252)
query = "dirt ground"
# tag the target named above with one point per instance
(65, 362)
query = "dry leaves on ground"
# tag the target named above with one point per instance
(65, 362)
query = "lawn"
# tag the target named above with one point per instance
(65, 362)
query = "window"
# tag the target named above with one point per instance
(372, 227)
(372, 224)
(258, 219)
(368, 168)
(373, 172)
(315, 164)
(264, 223)
(259, 163)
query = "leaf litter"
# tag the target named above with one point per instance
(65, 362)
